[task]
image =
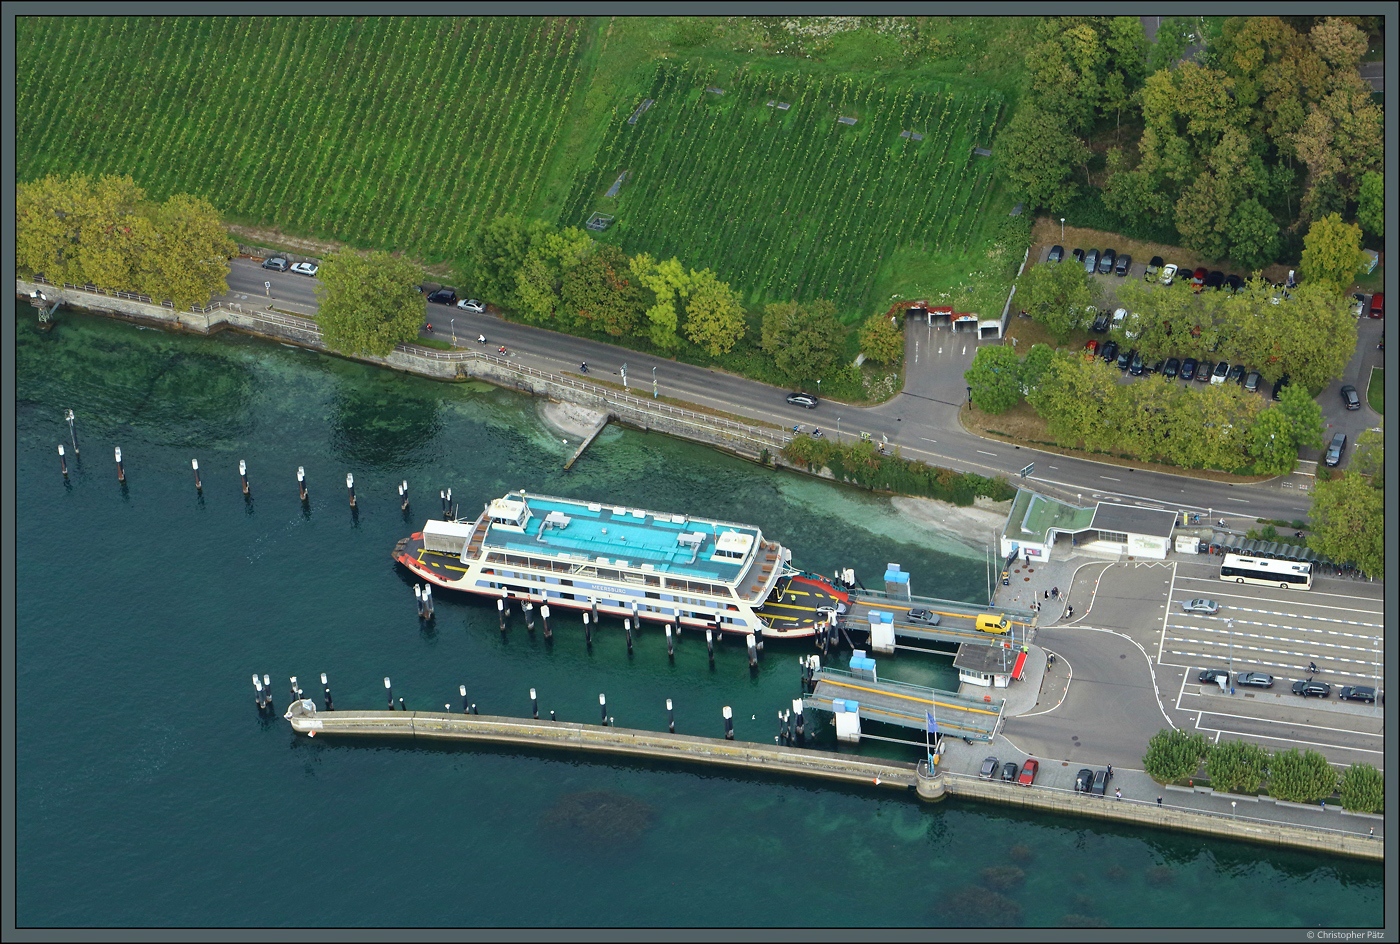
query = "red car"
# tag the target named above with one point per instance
(1028, 771)
(1091, 347)
(1198, 279)
(1378, 305)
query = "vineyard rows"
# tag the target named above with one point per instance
(396, 133)
(792, 203)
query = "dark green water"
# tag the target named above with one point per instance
(147, 608)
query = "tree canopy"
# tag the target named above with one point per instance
(366, 302)
(802, 339)
(1332, 254)
(104, 231)
(995, 378)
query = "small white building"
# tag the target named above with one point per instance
(1037, 523)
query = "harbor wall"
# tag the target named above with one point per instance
(750, 441)
(435, 726)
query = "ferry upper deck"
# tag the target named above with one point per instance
(674, 545)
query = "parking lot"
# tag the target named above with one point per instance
(1338, 625)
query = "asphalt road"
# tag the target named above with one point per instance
(922, 420)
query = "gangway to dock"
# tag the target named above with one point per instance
(957, 621)
(903, 704)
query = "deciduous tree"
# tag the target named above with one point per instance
(714, 313)
(1370, 203)
(1348, 522)
(995, 378)
(600, 293)
(1332, 254)
(366, 302)
(1056, 295)
(882, 341)
(1038, 157)
(802, 340)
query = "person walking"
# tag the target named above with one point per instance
(1159, 801)
(481, 339)
(1118, 794)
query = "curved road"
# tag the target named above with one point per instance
(922, 420)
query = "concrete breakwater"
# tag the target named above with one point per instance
(915, 779)
(743, 439)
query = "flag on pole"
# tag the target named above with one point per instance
(932, 725)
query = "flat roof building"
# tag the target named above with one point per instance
(1036, 523)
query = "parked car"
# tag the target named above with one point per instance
(1101, 322)
(1125, 262)
(1084, 780)
(1236, 375)
(1254, 680)
(1188, 368)
(305, 268)
(990, 766)
(925, 617)
(1233, 282)
(1335, 449)
(1057, 254)
(1214, 279)
(1198, 278)
(1350, 398)
(276, 263)
(1378, 305)
(1091, 261)
(1009, 771)
(472, 305)
(1028, 771)
(1358, 305)
(1311, 689)
(1251, 381)
(1222, 370)
(1278, 387)
(1091, 347)
(1124, 359)
(1101, 778)
(805, 400)
(1356, 693)
(1106, 261)
(1168, 273)
(1157, 367)
(1200, 605)
(1210, 675)
(443, 296)
(1109, 352)
(1078, 255)
(1136, 365)
(1154, 266)
(1171, 368)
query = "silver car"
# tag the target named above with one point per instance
(1200, 605)
(926, 617)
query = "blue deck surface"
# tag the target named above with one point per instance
(605, 533)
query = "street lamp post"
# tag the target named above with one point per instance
(624, 376)
(969, 399)
(1062, 228)
(452, 324)
(838, 429)
(653, 383)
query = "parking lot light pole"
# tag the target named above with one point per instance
(1062, 229)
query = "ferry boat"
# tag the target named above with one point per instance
(623, 561)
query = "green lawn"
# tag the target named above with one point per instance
(1375, 390)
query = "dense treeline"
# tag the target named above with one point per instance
(104, 232)
(1232, 153)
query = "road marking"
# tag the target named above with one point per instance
(926, 439)
(1245, 500)
(1110, 478)
(986, 453)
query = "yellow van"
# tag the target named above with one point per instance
(992, 623)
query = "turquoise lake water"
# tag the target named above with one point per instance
(174, 805)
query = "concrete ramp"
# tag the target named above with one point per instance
(587, 441)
